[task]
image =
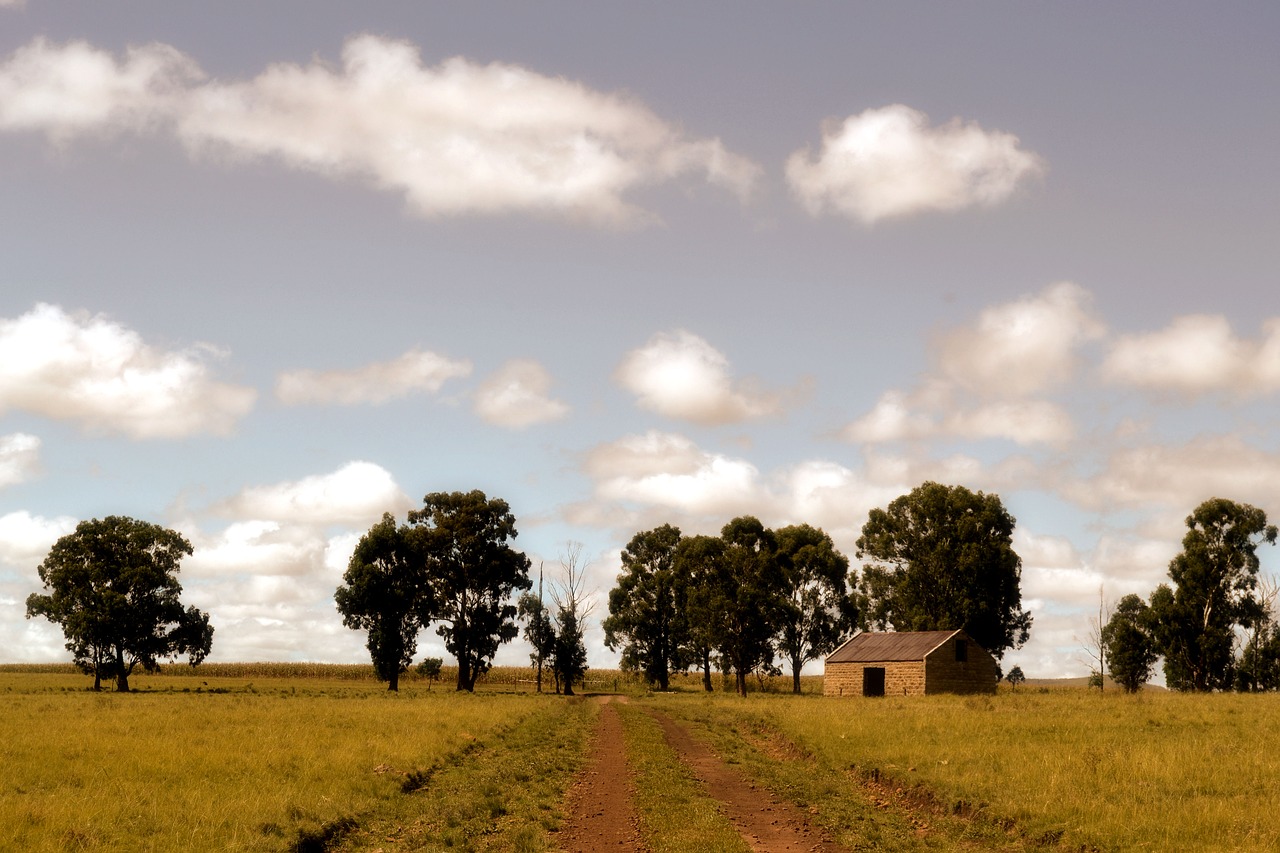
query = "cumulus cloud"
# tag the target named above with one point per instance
(96, 372)
(356, 494)
(663, 469)
(455, 138)
(65, 90)
(517, 396)
(414, 372)
(19, 458)
(1182, 476)
(890, 162)
(983, 375)
(25, 539)
(657, 477)
(680, 375)
(1197, 354)
(1024, 346)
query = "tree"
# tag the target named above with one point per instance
(572, 609)
(385, 592)
(1015, 677)
(114, 590)
(745, 597)
(430, 670)
(539, 630)
(942, 558)
(1215, 578)
(473, 573)
(817, 611)
(1094, 646)
(1129, 643)
(697, 563)
(646, 616)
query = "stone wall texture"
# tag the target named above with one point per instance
(939, 672)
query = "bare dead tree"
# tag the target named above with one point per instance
(573, 604)
(1094, 649)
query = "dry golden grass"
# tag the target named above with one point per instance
(221, 763)
(1070, 768)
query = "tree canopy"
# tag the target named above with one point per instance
(113, 588)
(1214, 583)
(473, 573)
(817, 612)
(646, 618)
(941, 558)
(1130, 646)
(385, 591)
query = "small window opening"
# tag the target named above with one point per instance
(962, 651)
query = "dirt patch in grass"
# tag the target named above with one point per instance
(767, 823)
(601, 815)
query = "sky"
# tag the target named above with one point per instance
(272, 270)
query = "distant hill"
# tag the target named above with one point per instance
(1080, 682)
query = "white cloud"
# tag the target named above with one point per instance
(256, 547)
(1197, 354)
(96, 372)
(456, 138)
(893, 418)
(19, 458)
(1012, 351)
(889, 162)
(13, 4)
(356, 494)
(415, 371)
(680, 375)
(74, 88)
(1021, 347)
(517, 396)
(666, 470)
(1022, 421)
(25, 539)
(1182, 477)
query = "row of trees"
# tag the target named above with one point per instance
(1216, 626)
(937, 558)
(940, 557)
(450, 564)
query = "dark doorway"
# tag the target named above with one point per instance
(873, 681)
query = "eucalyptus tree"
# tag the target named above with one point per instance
(1215, 581)
(473, 572)
(816, 611)
(113, 588)
(646, 618)
(942, 558)
(385, 592)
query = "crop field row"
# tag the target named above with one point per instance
(262, 762)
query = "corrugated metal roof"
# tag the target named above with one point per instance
(869, 647)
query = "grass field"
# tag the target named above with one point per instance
(231, 763)
(294, 759)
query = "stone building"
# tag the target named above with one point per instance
(909, 664)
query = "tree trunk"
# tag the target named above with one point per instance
(706, 672)
(740, 683)
(465, 681)
(795, 677)
(122, 674)
(393, 683)
(664, 681)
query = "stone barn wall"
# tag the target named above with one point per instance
(901, 678)
(945, 674)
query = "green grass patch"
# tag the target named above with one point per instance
(675, 813)
(1064, 769)
(224, 764)
(503, 794)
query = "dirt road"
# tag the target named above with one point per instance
(602, 816)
